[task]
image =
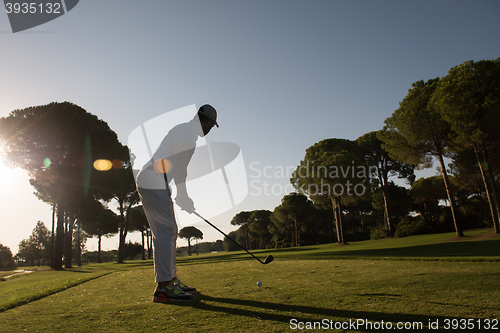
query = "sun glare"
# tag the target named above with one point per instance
(7, 175)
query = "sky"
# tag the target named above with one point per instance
(282, 75)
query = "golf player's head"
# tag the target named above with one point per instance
(208, 118)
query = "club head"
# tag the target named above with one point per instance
(268, 259)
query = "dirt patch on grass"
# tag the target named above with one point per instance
(17, 273)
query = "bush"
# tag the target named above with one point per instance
(379, 232)
(410, 226)
(106, 256)
(132, 250)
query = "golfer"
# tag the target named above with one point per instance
(169, 162)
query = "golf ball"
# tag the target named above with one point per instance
(259, 283)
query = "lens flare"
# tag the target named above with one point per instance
(162, 166)
(117, 164)
(47, 162)
(103, 165)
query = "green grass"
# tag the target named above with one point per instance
(337, 283)
(23, 289)
(28, 288)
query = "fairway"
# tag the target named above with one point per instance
(296, 292)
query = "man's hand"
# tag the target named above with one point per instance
(185, 202)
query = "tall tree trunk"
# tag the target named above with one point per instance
(59, 244)
(383, 178)
(451, 199)
(52, 237)
(338, 219)
(335, 218)
(150, 241)
(68, 259)
(296, 226)
(435, 213)
(121, 247)
(122, 234)
(329, 226)
(79, 250)
(143, 247)
(99, 249)
(387, 213)
(341, 220)
(189, 246)
(489, 185)
(246, 236)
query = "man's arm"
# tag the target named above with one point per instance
(180, 161)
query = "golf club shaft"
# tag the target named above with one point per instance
(204, 219)
(201, 217)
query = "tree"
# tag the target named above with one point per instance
(97, 220)
(139, 221)
(385, 167)
(333, 168)
(35, 249)
(242, 219)
(207, 247)
(359, 217)
(469, 100)
(190, 233)
(79, 241)
(131, 250)
(6, 259)
(323, 203)
(426, 194)
(474, 203)
(125, 193)
(260, 226)
(40, 237)
(26, 252)
(57, 143)
(280, 229)
(292, 213)
(416, 132)
(229, 245)
(399, 206)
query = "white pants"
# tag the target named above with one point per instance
(159, 209)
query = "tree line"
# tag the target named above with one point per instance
(59, 144)
(37, 249)
(345, 188)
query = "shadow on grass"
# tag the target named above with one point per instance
(107, 266)
(47, 292)
(463, 249)
(127, 265)
(238, 256)
(304, 313)
(458, 305)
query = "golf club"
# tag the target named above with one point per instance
(269, 257)
(266, 261)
